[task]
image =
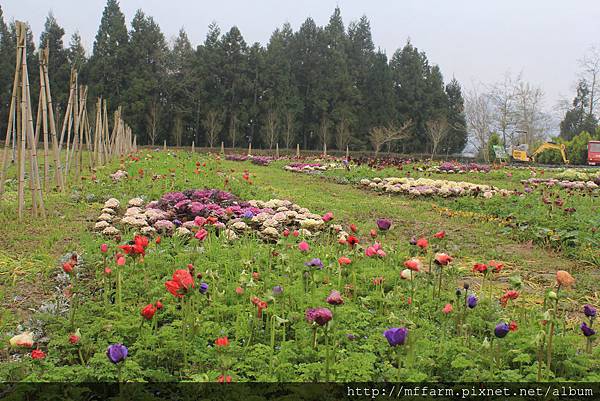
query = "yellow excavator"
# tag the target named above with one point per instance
(519, 153)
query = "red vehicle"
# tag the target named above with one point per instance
(594, 153)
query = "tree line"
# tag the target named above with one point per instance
(319, 85)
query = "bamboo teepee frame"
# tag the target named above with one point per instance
(20, 125)
(101, 144)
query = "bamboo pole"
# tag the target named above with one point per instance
(193, 150)
(10, 128)
(222, 147)
(44, 122)
(36, 188)
(21, 123)
(297, 150)
(165, 145)
(249, 148)
(52, 125)
(277, 150)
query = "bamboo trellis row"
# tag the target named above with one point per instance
(101, 144)
(20, 127)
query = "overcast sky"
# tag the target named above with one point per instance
(473, 40)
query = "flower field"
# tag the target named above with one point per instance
(198, 267)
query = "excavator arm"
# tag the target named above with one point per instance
(549, 145)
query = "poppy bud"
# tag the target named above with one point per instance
(103, 248)
(552, 295)
(199, 275)
(159, 305)
(107, 271)
(466, 286)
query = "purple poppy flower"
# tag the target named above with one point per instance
(384, 224)
(396, 336)
(116, 353)
(203, 288)
(589, 310)
(501, 330)
(351, 337)
(248, 214)
(177, 222)
(316, 262)
(587, 330)
(413, 241)
(471, 301)
(277, 290)
(335, 298)
(320, 316)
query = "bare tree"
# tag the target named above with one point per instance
(233, 129)
(212, 124)
(288, 137)
(178, 130)
(437, 129)
(479, 116)
(271, 128)
(531, 120)
(342, 134)
(153, 119)
(502, 96)
(379, 136)
(590, 73)
(324, 129)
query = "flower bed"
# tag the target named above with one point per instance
(259, 160)
(455, 167)
(314, 168)
(571, 174)
(429, 187)
(551, 182)
(189, 212)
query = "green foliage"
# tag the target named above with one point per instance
(494, 140)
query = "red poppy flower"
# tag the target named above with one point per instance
(353, 228)
(439, 234)
(128, 249)
(496, 266)
(413, 264)
(37, 354)
(373, 233)
(68, 267)
(224, 379)
(157, 240)
(159, 305)
(148, 311)
(352, 241)
(480, 267)
(508, 295)
(181, 283)
(344, 261)
(422, 243)
(74, 339)
(442, 259)
(512, 326)
(222, 342)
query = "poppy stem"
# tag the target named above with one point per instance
(119, 299)
(328, 353)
